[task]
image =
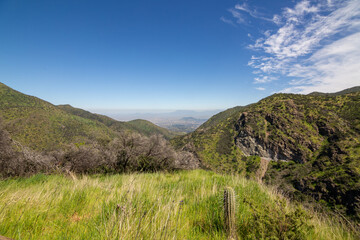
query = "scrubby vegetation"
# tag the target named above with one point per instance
(36, 136)
(127, 152)
(183, 205)
(318, 135)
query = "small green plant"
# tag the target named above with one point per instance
(229, 212)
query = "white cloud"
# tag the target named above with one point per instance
(276, 19)
(260, 88)
(332, 68)
(264, 79)
(317, 44)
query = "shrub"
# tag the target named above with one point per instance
(276, 221)
(83, 159)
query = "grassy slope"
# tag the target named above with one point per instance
(115, 125)
(42, 126)
(141, 126)
(184, 205)
(220, 117)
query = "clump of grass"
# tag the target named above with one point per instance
(183, 205)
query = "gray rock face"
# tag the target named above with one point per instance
(252, 144)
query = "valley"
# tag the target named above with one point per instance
(304, 147)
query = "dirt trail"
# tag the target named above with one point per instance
(260, 173)
(5, 238)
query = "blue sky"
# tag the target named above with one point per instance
(171, 55)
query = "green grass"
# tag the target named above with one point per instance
(183, 205)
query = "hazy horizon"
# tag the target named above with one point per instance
(156, 115)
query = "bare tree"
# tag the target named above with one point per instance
(83, 159)
(17, 160)
(124, 151)
(134, 152)
(157, 155)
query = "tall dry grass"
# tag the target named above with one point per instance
(183, 205)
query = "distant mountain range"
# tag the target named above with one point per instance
(313, 139)
(157, 115)
(44, 126)
(180, 121)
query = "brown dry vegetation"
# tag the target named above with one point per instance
(127, 152)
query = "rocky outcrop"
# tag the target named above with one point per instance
(270, 143)
(250, 145)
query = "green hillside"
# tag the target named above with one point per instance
(148, 128)
(141, 126)
(182, 205)
(317, 137)
(107, 121)
(218, 118)
(44, 126)
(345, 91)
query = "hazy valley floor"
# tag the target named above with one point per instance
(183, 205)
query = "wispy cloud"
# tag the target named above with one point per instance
(236, 14)
(228, 21)
(317, 44)
(252, 12)
(241, 12)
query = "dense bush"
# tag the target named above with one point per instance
(82, 159)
